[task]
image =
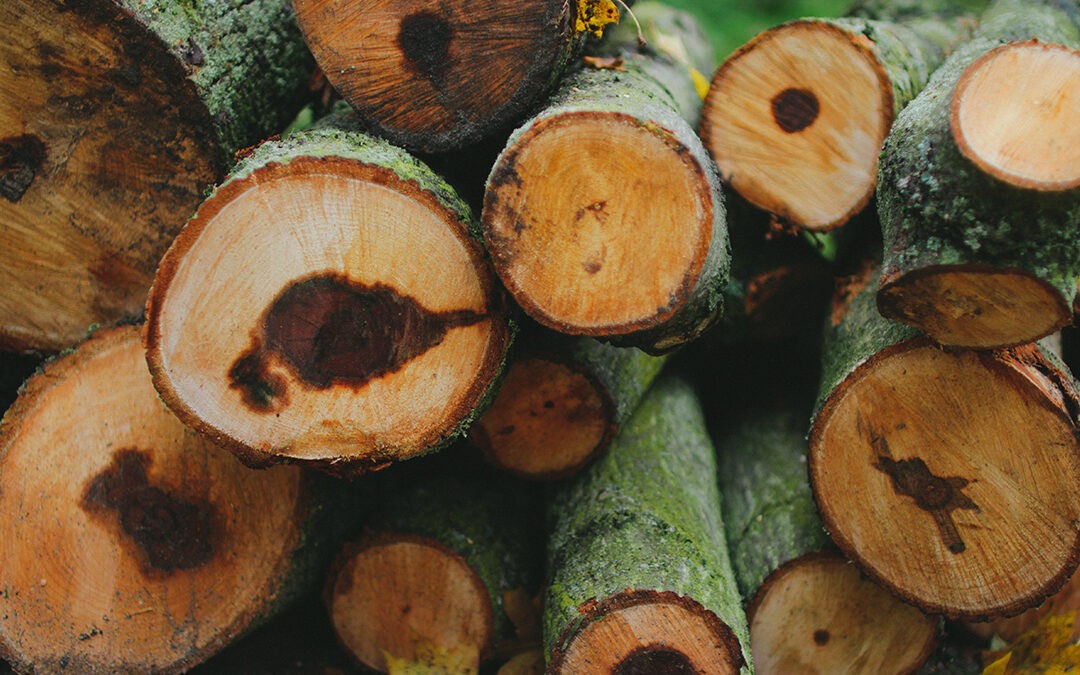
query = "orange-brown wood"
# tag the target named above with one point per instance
(547, 420)
(951, 476)
(129, 542)
(408, 599)
(795, 120)
(105, 150)
(325, 311)
(1014, 115)
(818, 614)
(1065, 601)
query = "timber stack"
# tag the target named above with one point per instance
(458, 351)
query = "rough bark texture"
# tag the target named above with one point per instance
(108, 142)
(641, 522)
(630, 102)
(375, 245)
(939, 213)
(164, 550)
(769, 509)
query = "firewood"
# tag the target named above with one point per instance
(949, 476)
(1065, 601)
(115, 117)
(796, 117)
(810, 609)
(327, 305)
(445, 574)
(980, 246)
(434, 76)
(131, 543)
(604, 214)
(640, 576)
(562, 401)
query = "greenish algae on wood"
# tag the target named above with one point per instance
(941, 215)
(641, 525)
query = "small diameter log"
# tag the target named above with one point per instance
(435, 76)
(811, 610)
(352, 316)
(796, 117)
(980, 244)
(115, 117)
(604, 214)
(640, 576)
(445, 576)
(131, 543)
(949, 476)
(562, 401)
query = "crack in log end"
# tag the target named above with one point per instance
(21, 158)
(821, 637)
(171, 533)
(261, 390)
(424, 38)
(795, 109)
(938, 496)
(333, 331)
(654, 661)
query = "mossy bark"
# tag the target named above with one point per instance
(939, 211)
(655, 91)
(769, 509)
(645, 519)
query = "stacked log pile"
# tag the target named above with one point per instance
(399, 384)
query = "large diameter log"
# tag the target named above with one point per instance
(131, 543)
(949, 476)
(980, 236)
(353, 318)
(562, 401)
(446, 567)
(796, 117)
(435, 76)
(810, 609)
(1065, 601)
(640, 576)
(115, 117)
(604, 214)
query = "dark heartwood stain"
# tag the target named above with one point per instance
(171, 532)
(821, 637)
(21, 158)
(424, 38)
(795, 109)
(654, 661)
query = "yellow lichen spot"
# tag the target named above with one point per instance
(432, 659)
(593, 15)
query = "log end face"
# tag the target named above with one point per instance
(973, 306)
(795, 120)
(1014, 115)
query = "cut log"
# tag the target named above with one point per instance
(810, 609)
(353, 318)
(562, 401)
(796, 117)
(1065, 601)
(604, 214)
(434, 76)
(443, 574)
(949, 476)
(131, 543)
(980, 246)
(640, 576)
(109, 141)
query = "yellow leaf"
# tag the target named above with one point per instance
(593, 15)
(1044, 649)
(432, 659)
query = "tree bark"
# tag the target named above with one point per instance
(972, 259)
(133, 544)
(796, 117)
(450, 561)
(949, 476)
(640, 576)
(354, 319)
(562, 401)
(604, 214)
(810, 610)
(109, 141)
(435, 76)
